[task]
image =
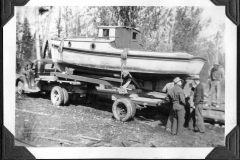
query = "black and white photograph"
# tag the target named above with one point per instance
(132, 77)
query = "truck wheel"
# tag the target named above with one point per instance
(133, 110)
(66, 96)
(57, 96)
(123, 109)
(20, 87)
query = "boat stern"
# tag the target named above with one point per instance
(195, 65)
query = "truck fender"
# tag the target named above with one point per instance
(21, 78)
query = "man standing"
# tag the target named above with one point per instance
(28, 72)
(166, 89)
(176, 96)
(198, 98)
(216, 76)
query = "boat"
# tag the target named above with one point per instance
(115, 46)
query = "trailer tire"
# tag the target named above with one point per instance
(123, 109)
(65, 96)
(57, 96)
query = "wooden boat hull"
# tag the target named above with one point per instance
(109, 62)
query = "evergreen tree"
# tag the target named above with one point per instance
(18, 42)
(27, 41)
(186, 29)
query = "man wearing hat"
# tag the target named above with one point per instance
(216, 76)
(176, 96)
(166, 89)
(198, 98)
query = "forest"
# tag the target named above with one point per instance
(164, 29)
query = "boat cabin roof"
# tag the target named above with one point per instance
(122, 36)
(106, 27)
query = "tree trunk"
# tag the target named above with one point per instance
(37, 33)
(46, 36)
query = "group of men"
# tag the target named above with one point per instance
(178, 101)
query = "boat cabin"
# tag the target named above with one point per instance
(124, 37)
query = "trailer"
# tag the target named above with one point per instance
(65, 85)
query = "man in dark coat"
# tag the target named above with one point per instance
(217, 76)
(176, 96)
(166, 89)
(198, 98)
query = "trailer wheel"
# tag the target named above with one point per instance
(66, 96)
(123, 109)
(57, 96)
(20, 87)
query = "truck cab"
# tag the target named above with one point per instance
(42, 67)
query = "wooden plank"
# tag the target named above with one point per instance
(103, 78)
(71, 82)
(146, 100)
(57, 139)
(85, 137)
(82, 78)
(23, 143)
(113, 91)
(51, 78)
(214, 108)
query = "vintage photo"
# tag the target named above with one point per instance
(120, 76)
(119, 81)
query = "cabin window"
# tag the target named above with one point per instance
(48, 66)
(105, 32)
(92, 46)
(134, 36)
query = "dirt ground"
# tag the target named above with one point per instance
(41, 124)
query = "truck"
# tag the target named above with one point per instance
(63, 86)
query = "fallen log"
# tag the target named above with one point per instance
(23, 143)
(92, 143)
(125, 144)
(134, 141)
(146, 119)
(42, 114)
(60, 140)
(85, 137)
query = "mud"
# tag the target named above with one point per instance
(93, 125)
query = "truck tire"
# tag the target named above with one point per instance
(133, 110)
(20, 87)
(123, 109)
(66, 96)
(57, 96)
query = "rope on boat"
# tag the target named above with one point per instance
(60, 48)
(123, 61)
